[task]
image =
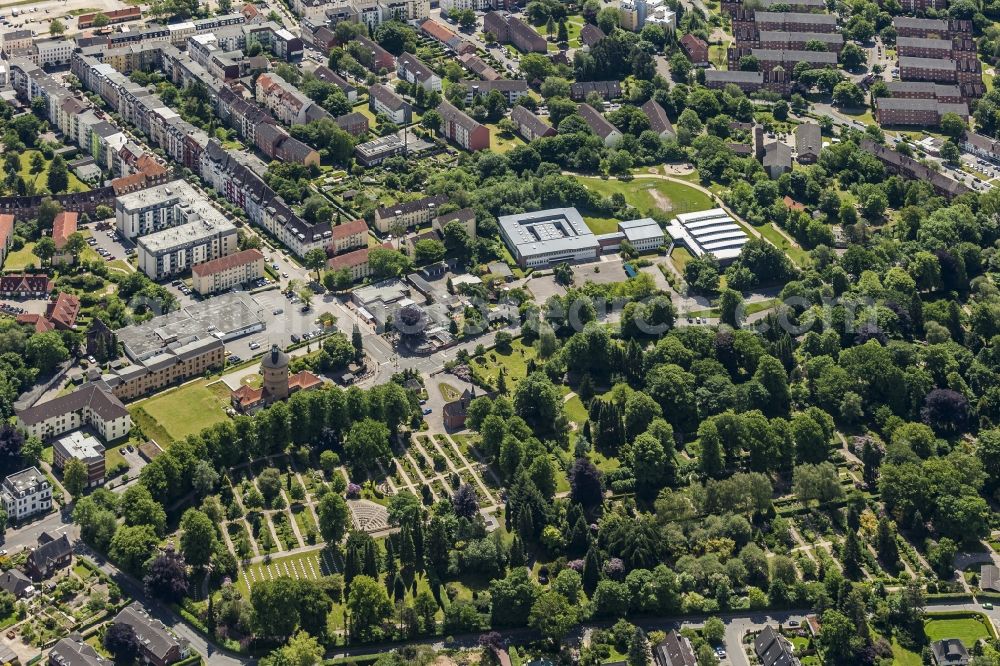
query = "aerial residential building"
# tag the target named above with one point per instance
(965, 70)
(608, 133)
(25, 285)
(926, 47)
(464, 216)
(511, 89)
(916, 112)
(907, 26)
(146, 211)
(658, 120)
(79, 446)
(285, 102)
(63, 226)
(207, 235)
(790, 41)
(769, 59)
(413, 71)
(379, 58)
(924, 90)
(457, 126)
(477, 66)
(49, 555)
(92, 405)
(348, 236)
(529, 125)
(903, 165)
(446, 37)
(327, 75)
(696, 50)
(16, 40)
(509, 29)
(408, 215)
(786, 21)
(773, 649)
(590, 34)
(354, 262)
(354, 123)
(808, 143)
(60, 314)
(382, 99)
(228, 271)
(674, 650)
(608, 90)
(74, 651)
(25, 494)
(156, 646)
(982, 146)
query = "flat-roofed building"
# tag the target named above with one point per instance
(546, 237)
(26, 493)
(711, 231)
(202, 233)
(228, 271)
(376, 151)
(79, 446)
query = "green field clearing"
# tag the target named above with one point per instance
(502, 143)
(903, 656)
(575, 411)
(180, 412)
(796, 254)
(22, 259)
(648, 195)
(968, 629)
(40, 179)
(515, 364)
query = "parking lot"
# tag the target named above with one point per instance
(285, 324)
(107, 242)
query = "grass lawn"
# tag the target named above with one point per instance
(967, 629)
(501, 142)
(796, 254)
(22, 259)
(647, 195)
(575, 410)
(486, 368)
(680, 256)
(40, 179)
(180, 412)
(903, 656)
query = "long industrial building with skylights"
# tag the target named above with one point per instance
(709, 232)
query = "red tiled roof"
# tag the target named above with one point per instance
(40, 323)
(349, 229)
(227, 262)
(437, 30)
(18, 282)
(303, 381)
(129, 183)
(64, 310)
(63, 227)
(348, 259)
(247, 395)
(149, 166)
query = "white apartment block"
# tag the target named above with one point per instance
(54, 52)
(204, 235)
(153, 209)
(460, 5)
(26, 493)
